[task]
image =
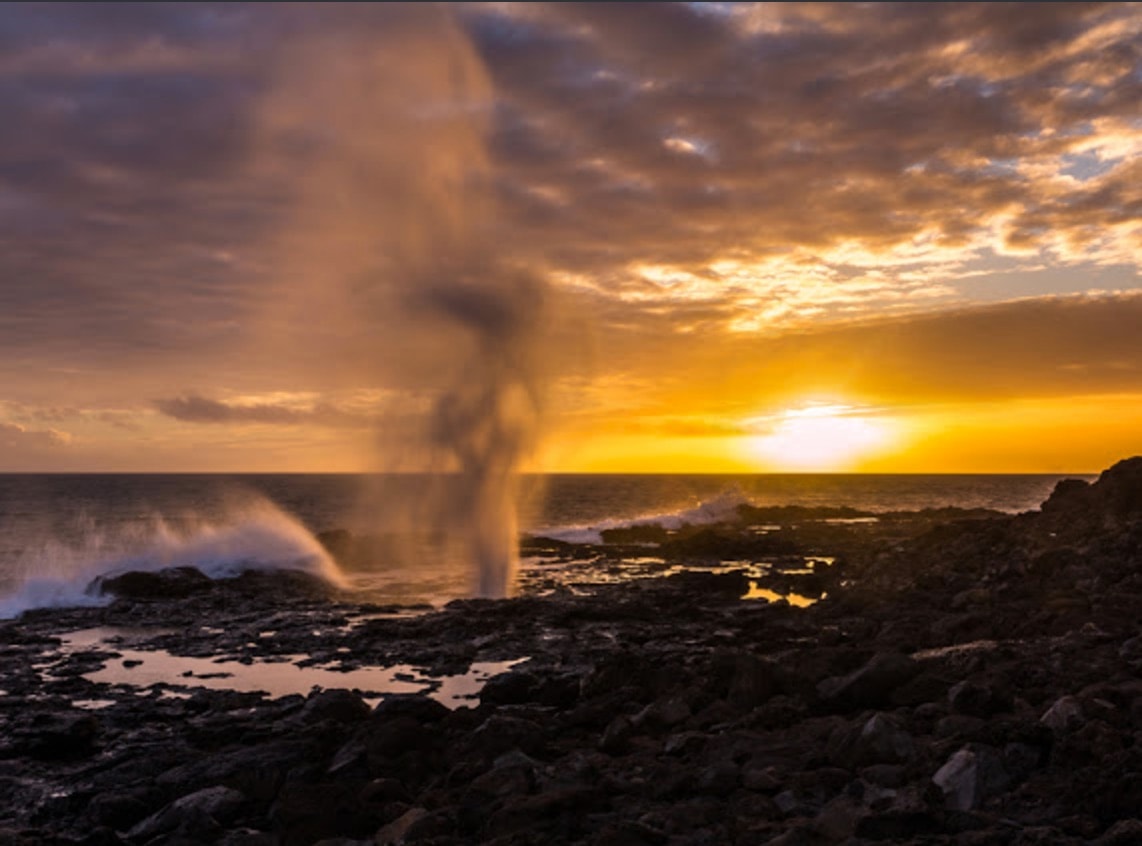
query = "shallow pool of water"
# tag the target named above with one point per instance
(281, 676)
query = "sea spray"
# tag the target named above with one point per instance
(720, 508)
(379, 127)
(252, 535)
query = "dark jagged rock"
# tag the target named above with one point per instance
(172, 583)
(341, 706)
(870, 686)
(719, 544)
(970, 678)
(643, 533)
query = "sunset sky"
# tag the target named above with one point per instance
(717, 237)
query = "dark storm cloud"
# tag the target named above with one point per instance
(135, 199)
(121, 201)
(674, 133)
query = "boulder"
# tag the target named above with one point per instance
(969, 777)
(172, 583)
(395, 832)
(195, 810)
(662, 713)
(1064, 714)
(979, 699)
(337, 705)
(877, 740)
(57, 736)
(870, 686)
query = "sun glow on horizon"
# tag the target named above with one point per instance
(820, 437)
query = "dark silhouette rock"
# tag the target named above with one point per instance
(970, 776)
(877, 740)
(870, 686)
(342, 706)
(172, 583)
(203, 811)
(57, 736)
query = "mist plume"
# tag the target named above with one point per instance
(389, 259)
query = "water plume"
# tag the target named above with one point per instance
(379, 126)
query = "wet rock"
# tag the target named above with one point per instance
(616, 737)
(420, 709)
(839, 818)
(685, 743)
(870, 686)
(787, 802)
(511, 775)
(642, 533)
(885, 775)
(722, 545)
(969, 777)
(561, 808)
(511, 688)
(752, 680)
(305, 812)
(1122, 833)
(719, 778)
(762, 779)
(118, 809)
(877, 740)
(57, 736)
(338, 705)
(256, 771)
(624, 670)
(172, 583)
(897, 825)
(251, 837)
(732, 583)
(662, 713)
(499, 734)
(979, 700)
(202, 810)
(1065, 714)
(394, 833)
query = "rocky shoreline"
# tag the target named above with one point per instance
(968, 678)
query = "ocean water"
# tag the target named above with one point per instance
(58, 532)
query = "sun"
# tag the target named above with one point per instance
(823, 438)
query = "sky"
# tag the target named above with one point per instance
(677, 237)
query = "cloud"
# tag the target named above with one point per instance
(13, 436)
(820, 128)
(1036, 347)
(740, 199)
(192, 408)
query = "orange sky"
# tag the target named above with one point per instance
(610, 237)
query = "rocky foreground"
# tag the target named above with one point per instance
(968, 678)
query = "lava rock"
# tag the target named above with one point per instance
(870, 686)
(201, 810)
(969, 777)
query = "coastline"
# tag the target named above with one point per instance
(967, 678)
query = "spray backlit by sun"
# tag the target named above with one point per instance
(381, 131)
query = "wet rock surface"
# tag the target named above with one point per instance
(968, 678)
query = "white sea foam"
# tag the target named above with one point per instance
(255, 536)
(720, 509)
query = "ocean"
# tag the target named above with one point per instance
(59, 531)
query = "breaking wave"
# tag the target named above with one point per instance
(720, 509)
(259, 536)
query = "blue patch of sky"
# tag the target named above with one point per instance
(1008, 280)
(1002, 167)
(1084, 166)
